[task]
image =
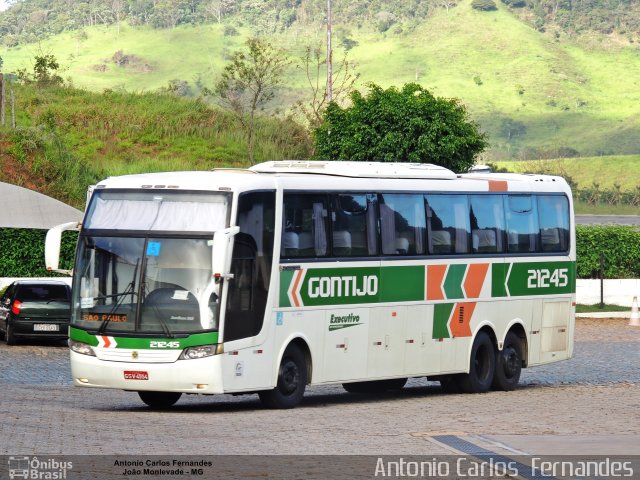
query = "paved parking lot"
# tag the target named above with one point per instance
(593, 398)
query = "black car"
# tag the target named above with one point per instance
(35, 309)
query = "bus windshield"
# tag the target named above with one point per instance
(146, 285)
(144, 263)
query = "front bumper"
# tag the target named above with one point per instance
(203, 375)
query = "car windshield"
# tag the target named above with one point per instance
(147, 285)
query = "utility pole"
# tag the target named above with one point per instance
(329, 55)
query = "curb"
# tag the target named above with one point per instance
(604, 315)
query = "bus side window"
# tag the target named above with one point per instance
(304, 226)
(522, 224)
(553, 213)
(354, 226)
(403, 224)
(448, 229)
(487, 223)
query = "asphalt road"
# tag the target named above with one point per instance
(584, 406)
(608, 219)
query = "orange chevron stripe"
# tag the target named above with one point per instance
(461, 318)
(294, 290)
(107, 342)
(435, 276)
(476, 273)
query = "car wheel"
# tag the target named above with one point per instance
(292, 381)
(508, 364)
(9, 337)
(160, 399)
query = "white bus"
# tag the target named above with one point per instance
(290, 274)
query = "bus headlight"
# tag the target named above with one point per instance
(198, 352)
(81, 348)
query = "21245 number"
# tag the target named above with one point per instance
(544, 278)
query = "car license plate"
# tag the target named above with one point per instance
(46, 327)
(135, 375)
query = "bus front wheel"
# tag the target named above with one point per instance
(508, 364)
(160, 399)
(292, 380)
(481, 366)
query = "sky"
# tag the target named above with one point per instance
(3, 5)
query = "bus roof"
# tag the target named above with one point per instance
(314, 175)
(356, 169)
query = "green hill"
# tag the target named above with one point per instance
(536, 94)
(68, 138)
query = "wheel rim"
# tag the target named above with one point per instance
(510, 362)
(289, 377)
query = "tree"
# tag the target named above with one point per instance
(407, 125)
(510, 128)
(314, 63)
(45, 71)
(249, 82)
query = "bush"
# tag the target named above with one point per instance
(620, 246)
(23, 252)
(484, 5)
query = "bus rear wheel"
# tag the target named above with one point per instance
(160, 399)
(375, 386)
(508, 364)
(292, 381)
(481, 366)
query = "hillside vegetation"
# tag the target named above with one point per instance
(69, 138)
(538, 92)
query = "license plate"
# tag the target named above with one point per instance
(46, 327)
(135, 375)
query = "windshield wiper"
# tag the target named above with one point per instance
(165, 328)
(121, 296)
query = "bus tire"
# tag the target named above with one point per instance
(481, 366)
(375, 386)
(449, 384)
(508, 363)
(292, 381)
(159, 399)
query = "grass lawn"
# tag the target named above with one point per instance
(580, 308)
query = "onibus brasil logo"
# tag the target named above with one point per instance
(34, 468)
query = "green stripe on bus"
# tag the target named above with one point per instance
(340, 286)
(533, 278)
(285, 281)
(498, 275)
(208, 338)
(441, 316)
(402, 284)
(453, 281)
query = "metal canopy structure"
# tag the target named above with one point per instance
(23, 208)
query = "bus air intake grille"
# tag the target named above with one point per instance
(137, 355)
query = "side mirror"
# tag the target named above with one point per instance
(220, 251)
(52, 246)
